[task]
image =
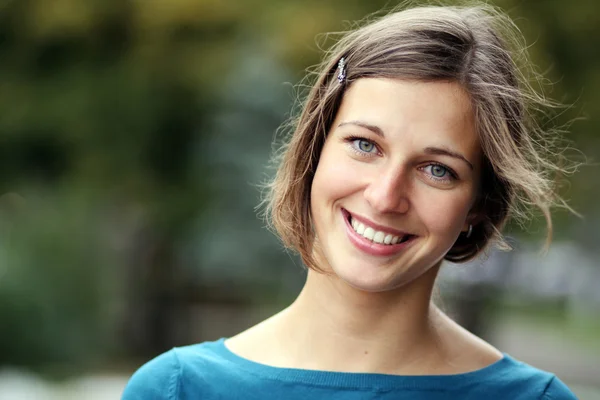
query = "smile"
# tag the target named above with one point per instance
(375, 239)
(373, 235)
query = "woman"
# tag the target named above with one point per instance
(414, 146)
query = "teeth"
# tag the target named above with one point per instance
(373, 235)
(360, 229)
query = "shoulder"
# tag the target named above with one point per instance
(171, 374)
(501, 373)
(158, 379)
(518, 380)
(557, 390)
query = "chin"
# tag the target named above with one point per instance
(377, 278)
(374, 280)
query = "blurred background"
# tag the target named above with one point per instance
(134, 136)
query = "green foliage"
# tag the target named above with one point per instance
(55, 290)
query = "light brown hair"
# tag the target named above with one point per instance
(480, 48)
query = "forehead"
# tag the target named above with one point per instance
(427, 112)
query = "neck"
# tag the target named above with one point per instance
(333, 326)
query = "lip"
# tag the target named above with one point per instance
(365, 245)
(372, 224)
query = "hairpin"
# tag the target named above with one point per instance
(341, 77)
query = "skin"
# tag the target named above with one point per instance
(404, 156)
(394, 184)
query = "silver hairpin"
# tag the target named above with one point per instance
(341, 77)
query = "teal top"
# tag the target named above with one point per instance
(210, 371)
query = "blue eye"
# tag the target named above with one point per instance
(438, 171)
(366, 146)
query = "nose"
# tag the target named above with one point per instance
(388, 191)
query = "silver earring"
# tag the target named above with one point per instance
(341, 77)
(469, 232)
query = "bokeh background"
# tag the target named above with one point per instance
(134, 136)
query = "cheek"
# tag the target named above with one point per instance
(444, 215)
(335, 177)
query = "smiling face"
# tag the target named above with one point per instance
(396, 180)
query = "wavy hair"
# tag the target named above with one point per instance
(477, 46)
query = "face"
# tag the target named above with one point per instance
(396, 180)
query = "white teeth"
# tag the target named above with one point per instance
(373, 235)
(360, 229)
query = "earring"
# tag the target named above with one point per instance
(469, 232)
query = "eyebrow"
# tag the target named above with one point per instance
(449, 153)
(373, 128)
(428, 150)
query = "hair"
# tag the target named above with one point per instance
(478, 47)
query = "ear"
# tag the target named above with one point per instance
(473, 218)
